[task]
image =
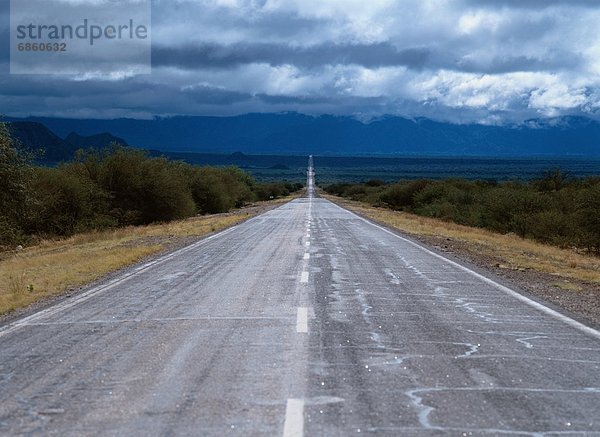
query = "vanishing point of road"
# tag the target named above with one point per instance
(305, 320)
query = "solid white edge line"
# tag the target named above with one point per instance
(294, 418)
(82, 297)
(302, 320)
(569, 321)
(304, 278)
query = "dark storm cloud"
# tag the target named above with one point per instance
(220, 56)
(507, 64)
(369, 56)
(116, 98)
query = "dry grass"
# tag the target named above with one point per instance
(54, 266)
(567, 286)
(507, 251)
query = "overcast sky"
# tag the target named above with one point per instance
(460, 60)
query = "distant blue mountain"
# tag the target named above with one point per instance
(97, 141)
(297, 134)
(45, 144)
(49, 147)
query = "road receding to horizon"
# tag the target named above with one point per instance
(306, 320)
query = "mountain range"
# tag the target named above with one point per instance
(298, 134)
(38, 138)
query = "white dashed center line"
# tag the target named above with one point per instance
(302, 320)
(307, 255)
(304, 278)
(294, 418)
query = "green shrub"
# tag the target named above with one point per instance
(402, 195)
(588, 218)
(552, 180)
(65, 203)
(273, 190)
(15, 178)
(216, 190)
(555, 209)
(375, 183)
(337, 189)
(142, 190)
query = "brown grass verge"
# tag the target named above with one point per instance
(55, 266)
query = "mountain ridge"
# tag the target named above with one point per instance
(47, 146)
(294, 133)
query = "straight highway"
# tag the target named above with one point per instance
(306, 320)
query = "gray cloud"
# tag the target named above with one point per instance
(507, 64)
(466, 60)
(219, 56)
(369, 56)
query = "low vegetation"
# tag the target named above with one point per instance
(554, 209)
(112, 188)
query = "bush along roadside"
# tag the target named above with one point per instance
(112, 188)
(553, 209)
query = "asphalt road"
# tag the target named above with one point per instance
(306, 320)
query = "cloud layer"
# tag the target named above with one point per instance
(459, 60)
